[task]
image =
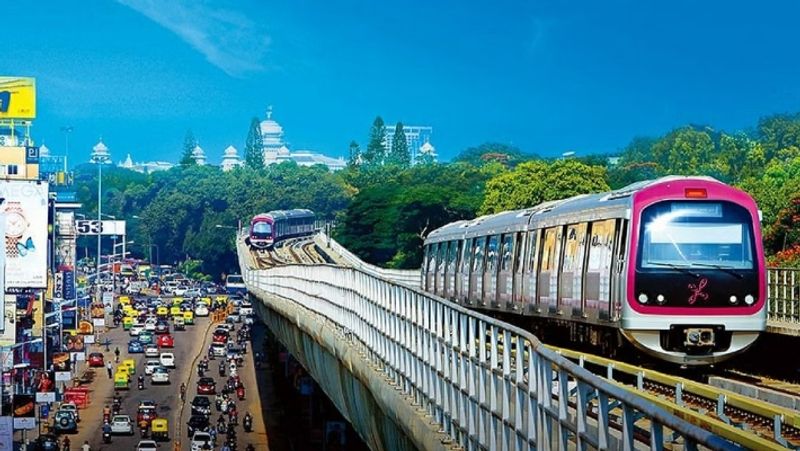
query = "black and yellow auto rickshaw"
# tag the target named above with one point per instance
(159, 427)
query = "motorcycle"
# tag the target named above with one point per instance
(106, 437)
(248, 423)
(199, 371)
(240, 393)
(222, 371)
(218, 404)
(141, 384)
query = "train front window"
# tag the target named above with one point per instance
(262, 228)
(699, 234)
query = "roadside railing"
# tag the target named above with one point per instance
(490, 386)
(783, 300)
(410, 277)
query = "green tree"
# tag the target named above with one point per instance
(189, 143)
(376, 148)
(534, 182)
(254, 146)
(399, 154)
(494, 152)
(354, 158)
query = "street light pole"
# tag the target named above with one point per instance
(100, 156)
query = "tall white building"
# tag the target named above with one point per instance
(199, 155)
(277, 151)
(416, 137)
(146, 167)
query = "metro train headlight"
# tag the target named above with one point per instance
(661, 299)
(733, 299)
(643, 298)
(749, 299)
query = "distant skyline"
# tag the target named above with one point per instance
(546, 76)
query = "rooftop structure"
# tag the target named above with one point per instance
(146, 167)
(416, 137)
(276, 150)
(230, 159)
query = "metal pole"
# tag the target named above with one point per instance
(99, 220)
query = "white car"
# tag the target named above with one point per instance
(199, 439)
(150, 366)
(151, 351)
(71, 407)
(160, 376)
(150, 325)
(136, 329)
(246, 308)
(167, 359)
(218, 349)
(179, 291)
(201, 310)
(146, 445)
(121, 424)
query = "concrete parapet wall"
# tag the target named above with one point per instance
(383, 417)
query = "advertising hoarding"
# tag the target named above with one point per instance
(25, 209)
(17, 98)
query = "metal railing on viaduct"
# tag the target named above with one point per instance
(783, 286)
(488, 385)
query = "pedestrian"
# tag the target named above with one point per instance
(108, 368)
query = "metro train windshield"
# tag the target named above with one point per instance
(696, 234)
(262, 228)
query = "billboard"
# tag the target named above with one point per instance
(94, 227)
(17, 98)
(25, 209)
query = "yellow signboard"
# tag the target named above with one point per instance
(17, 98)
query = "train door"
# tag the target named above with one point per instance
(490, 272)
(441, 264)
(571, 279)
(618, 285)
(465, 264)
(518, 271)
(476, 276)
(505, 272)
(530, 276)
(548, 269)
(597, 292)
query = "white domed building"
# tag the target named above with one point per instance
(277, 151)
(427, 152)
(199, 155)
(230, 159)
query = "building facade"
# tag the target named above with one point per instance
(416, 137)
(276, 150)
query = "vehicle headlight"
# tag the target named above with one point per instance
(749, 299)
(643, 298)
(733, 299)
(660, 299)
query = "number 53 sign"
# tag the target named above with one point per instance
(95, 227)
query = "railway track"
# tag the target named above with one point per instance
(749, 422)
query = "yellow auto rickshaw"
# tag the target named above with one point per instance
(159, 427)
(127, 322)
(162, 312)
(176, 302)
(175, 310)
(124, 300)
(121, 379)
(130, 365)
(188, 317)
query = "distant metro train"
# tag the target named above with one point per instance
(674, 265)
(267, 229)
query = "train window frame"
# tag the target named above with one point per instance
(452, 256)
(506, 252)
(466, 256)
(532, 251)
(549, 250)
(574, 256)
(432, 249)
(606, 261)
(441, 257)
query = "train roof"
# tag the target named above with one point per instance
(285, 214)
(583, 207)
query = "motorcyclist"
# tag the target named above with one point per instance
(107, 433)
(248, 422)
(116, 354)
(106, 413)
(65, 444)
(141, 381)
(86, 446)
(183, 391)
(143, 428)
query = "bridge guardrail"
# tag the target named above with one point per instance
(403, 276)
(458, 365)
(783, 300)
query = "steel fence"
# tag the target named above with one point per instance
(783, 299)
(490, 386)
(404, 276)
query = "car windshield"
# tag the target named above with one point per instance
(699, 234)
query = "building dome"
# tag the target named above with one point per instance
(427, 148)
(100, 153)
(231, 151)
(44, 151)
(199, 155)
(271, 132)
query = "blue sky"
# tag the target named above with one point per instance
(547, 76)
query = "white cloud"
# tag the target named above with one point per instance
(228, 39)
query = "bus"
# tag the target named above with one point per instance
(234, 284)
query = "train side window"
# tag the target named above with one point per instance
(491, 254)
(441, 257)
(574, 248)
(452, 256)
(533, 238)
(507, 252)
(432, 257)
(466, 256)
(549, 249)
(519, 248)
(477, 259)
(601, 247)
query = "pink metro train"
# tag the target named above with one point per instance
(267, 229)
(674, 265)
